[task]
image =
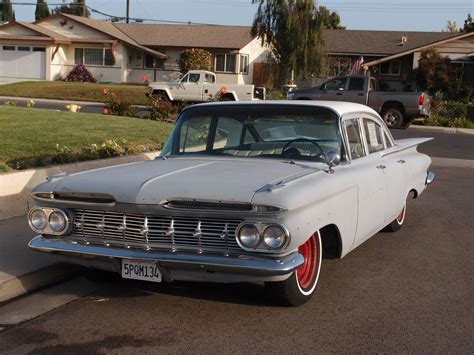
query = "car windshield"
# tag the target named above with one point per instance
(262, 131)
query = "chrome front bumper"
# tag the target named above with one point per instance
(232, 264)
(430, 176)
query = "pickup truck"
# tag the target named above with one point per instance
(398, 109)
(200, 85)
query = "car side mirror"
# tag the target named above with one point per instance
(332, 159)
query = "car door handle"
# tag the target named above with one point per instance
(206, 91)
(401, 161)
(339, 94)
(361, 94)
(380, 166)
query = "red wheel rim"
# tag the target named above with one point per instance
(306, 273)
(401, 216)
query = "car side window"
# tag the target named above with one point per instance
(388, 142)
(356, 84)
(194, 135)
(373, 135)
(194, 78)
(356, 146)
(336, 84)
(209, 78)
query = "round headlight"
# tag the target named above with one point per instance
(38, 219)
(274, 237)
(57, 221)
(249, 236)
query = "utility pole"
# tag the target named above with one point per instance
(127, 19)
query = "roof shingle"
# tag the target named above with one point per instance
(378, 42)
(200, 36)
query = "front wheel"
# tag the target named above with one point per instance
(300, 286)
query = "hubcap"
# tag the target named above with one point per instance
(306, 273)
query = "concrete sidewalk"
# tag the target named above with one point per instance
(21, 269)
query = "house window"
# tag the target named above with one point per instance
(392, 67)
(244, 64)
(24, 49)
(39, 49)
(225, 63)
(8, 48)
(151, 62)
(93, 56)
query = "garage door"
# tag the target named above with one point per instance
(19, 61)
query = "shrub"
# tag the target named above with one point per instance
(118, 106)
(3, 168)
(161, 109)
(195, 59)
(10, 103)
(81, 74)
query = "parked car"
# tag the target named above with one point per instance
(398, 109)
(200, 86)
(242, 192)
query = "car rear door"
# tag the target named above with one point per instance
(333, 89)
(355, 91)
(392, 165)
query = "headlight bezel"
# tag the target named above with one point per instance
(48, 229)
(262, 247)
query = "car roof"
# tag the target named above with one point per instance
(339, 107)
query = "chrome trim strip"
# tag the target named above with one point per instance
(430, 176)
(242, 264)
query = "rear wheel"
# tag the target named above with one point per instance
(397, 223)
(393, 117)
(300, 286)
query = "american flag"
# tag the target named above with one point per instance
(357, 66)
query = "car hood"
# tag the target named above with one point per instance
(153, 182)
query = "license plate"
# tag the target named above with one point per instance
(140, 270)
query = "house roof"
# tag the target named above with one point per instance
(379, 43)
(108, 29)
(43, 34)
(201, 36)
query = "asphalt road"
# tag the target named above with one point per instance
(407, 292)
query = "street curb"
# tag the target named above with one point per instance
(18, 286)
(445, 129)
(61, 102)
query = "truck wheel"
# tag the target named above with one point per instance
(393, 118)
(405, 124)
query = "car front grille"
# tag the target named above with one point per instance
(135, 230)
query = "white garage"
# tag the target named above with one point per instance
(22, 61)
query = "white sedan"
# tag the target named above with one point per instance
(242, 192)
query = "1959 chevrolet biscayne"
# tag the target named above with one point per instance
(241, 192)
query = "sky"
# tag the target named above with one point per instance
(406, 15)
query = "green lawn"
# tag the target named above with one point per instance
(62, 90)
(26, 133)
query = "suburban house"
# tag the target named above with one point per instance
(49, 49)
(392, 55)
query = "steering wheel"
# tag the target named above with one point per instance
(295, 153)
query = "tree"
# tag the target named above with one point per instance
(293, 30)
(7, 11)
(42, 10)
(77, 7)
(468, 24)
(195, 59)
(451, 26)
(331, 20)
(433, 72)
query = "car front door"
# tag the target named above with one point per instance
(370, 182)
(189, 88)
(333, 89)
